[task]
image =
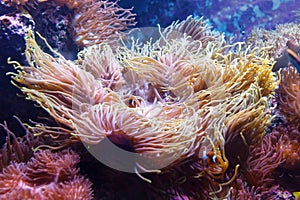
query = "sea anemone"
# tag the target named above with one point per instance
(287, 138)
(277, 39)
(45, 176)
(175, 98)
(288, 94)
(244, 191)
(93, 21)
(18, 149)
(99, 21)
(263, 162)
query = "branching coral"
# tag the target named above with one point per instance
(46, 176)
(178, 97)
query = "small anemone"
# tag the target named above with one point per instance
(287, 139)
(288, 93)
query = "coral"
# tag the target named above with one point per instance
(288, 94)
(197, 29)
(283, 137)
(45, 176)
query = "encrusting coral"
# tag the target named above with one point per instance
(178, 97)
(45, 176)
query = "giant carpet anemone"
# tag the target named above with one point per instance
(184, 94)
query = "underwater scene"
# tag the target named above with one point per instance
(149, 99)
